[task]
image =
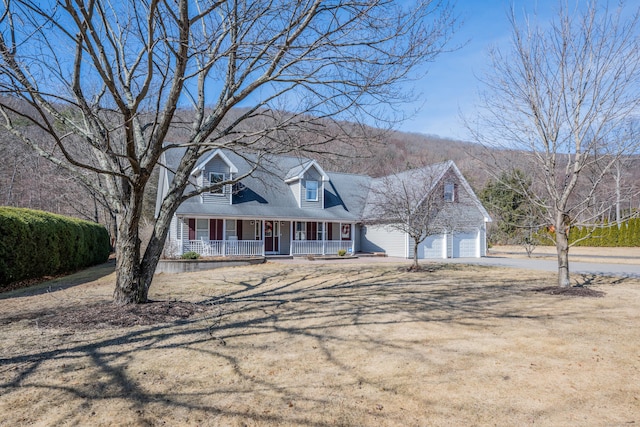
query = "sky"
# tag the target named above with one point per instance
(451, 85)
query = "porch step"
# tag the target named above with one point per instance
(268, 257)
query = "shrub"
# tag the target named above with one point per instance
(36, 244)
(342, 252)
(190, 255)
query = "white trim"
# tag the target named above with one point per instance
(300, 175)
(232, 168)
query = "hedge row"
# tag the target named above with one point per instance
(35, 244)
(627, 235)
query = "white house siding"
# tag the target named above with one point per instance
(295, 189)
(433, 247)
(483, 240)
(173, 229)
(381, 239)
(355, 234)
(172, 244)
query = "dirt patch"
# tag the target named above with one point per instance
(101, 315)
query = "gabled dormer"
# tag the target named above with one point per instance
(216, 167)
(307, 181)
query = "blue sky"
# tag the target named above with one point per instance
(451, 84)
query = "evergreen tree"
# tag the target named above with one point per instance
(516, 218)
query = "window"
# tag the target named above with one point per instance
(449, 192)
(301, 230)
(215, 177)
(202, 229)
(257, 230)
(231, 229)
(312, 191)
(320, 231)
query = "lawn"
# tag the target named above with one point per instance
(323, 345)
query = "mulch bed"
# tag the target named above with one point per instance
(573, 291)
(107, 314)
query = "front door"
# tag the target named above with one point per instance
(271, 236)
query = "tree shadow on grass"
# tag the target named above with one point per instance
(284, 311)
(64, 282)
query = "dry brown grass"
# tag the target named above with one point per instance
(320, 344)
(622, 255)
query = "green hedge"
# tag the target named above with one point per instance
(609, 235)
(35, 244)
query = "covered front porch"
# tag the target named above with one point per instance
(228, 237)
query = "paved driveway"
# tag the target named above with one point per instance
(597, 268)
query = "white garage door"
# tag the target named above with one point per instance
(465, 245)
(432, 247)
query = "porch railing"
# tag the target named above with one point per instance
(320, 247)
(225, 247)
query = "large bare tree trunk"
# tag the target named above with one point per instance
(562, 246)
(129, 288)
(133, 274)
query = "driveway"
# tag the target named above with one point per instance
(620, 263)
(600, 268)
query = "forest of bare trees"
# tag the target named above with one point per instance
(28, 180)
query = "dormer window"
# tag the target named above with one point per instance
(449, 192)
(215, 177)
(312, 191)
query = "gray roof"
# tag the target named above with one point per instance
(265, 194)
(432, 174)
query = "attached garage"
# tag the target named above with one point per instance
(433, 247)
(383, 239)
(466, 245)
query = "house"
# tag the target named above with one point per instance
(457, 219)
(291, 206)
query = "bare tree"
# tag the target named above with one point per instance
(412, 202)
(564, 94)
(111, 76)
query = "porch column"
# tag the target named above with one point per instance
(181, 232)
(291, 236)
(224, 237)
(353, 238)
(324, 240)
(264, 241)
